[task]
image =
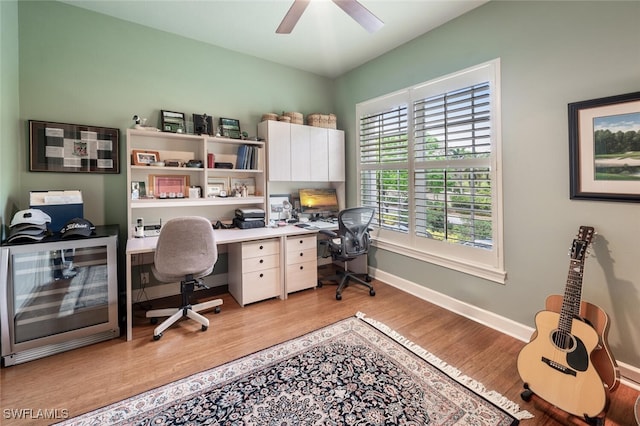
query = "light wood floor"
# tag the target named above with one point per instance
(88, 378)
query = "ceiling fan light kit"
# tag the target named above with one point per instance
(353, 8)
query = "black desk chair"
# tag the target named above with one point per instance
(349, 242)
(186, 251)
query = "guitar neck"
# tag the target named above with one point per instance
(572, 294)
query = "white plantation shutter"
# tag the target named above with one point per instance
(384, 154)
(428, 158)
(453, 166)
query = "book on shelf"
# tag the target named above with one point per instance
(247, 157)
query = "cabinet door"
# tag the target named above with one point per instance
(336, 155)
(319, 154)
(279, 148)
(300, 153)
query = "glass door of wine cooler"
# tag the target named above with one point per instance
(57, 296)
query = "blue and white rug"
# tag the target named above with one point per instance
(354, 372)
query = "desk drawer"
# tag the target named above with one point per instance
(299, 256)
(259, 263)
(299, 242)
(261, 285)
(302, 276)
(260, 248)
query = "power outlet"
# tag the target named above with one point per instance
(144, 278)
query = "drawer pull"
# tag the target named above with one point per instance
(261, 260)
(301, 241)
(261, 275)
(261, 247)
(301, 254)
(301, 268)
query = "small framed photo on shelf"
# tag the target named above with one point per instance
(203, 124)
(250, 183)
(172, 122)
(217, 187)
(230, 128)
(138, 190)
(169, 186)
(144, 158)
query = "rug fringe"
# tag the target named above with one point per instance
(493, 396)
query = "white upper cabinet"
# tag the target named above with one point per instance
(299, 153)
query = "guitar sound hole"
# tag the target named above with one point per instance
(563, 340)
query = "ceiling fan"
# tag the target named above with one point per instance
(353, 8)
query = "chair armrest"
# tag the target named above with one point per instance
(328, 233)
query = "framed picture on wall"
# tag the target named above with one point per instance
(73, 148)
(604, 148)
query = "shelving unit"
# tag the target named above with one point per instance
(182, 147)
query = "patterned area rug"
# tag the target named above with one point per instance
(354, 372)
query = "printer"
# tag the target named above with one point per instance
(249, 218)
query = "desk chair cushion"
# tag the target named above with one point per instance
(186, 246)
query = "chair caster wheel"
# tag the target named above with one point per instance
(319, 283)
(154, 321)
(157, 336)
(338, 296)
(204, 328)
(216, 310)
(372, 292)
(367, 278)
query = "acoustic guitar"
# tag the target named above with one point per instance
(602, 357)
(556, 364)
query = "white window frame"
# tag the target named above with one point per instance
(480, 262)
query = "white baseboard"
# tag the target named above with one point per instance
(630, 375)
(172, 289)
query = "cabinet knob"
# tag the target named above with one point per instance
(301, 254)
(301, 268)
(301, 241)
(261, 247)
(261, 260)
(261, 275)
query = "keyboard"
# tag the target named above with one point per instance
(324, 225)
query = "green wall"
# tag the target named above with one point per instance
(81, 67)
(552, 54)
(9, 107)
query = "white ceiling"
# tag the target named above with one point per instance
(326, 41)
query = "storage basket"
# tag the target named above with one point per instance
(328, 121)
(269, 116)
(284, 118)
(296, 117)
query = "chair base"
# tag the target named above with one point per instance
(186, 310)
(342, 279)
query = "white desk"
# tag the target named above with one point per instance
(223, 236)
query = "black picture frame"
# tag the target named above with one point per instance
(172, 122)
(73, 148)
(604, 163)
(202, 126)
(230, 128)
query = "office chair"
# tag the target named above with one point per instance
(186, 251)
(349, 242)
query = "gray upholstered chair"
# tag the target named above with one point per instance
(186, 251)
(348, 243)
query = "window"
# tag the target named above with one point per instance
(429, 165)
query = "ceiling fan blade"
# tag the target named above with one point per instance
(361, 14)
(291, 18)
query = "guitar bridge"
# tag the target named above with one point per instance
(557, 366)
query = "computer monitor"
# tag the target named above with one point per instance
(319, 201)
